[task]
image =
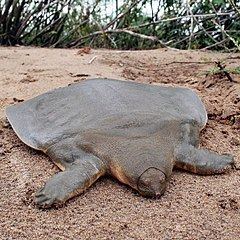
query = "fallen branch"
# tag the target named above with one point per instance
(192, 24)
(146, 37)
(180, 18)
(70, 33)
(46, 29)
(223, 69)
(234, 6)
(92, 59)
(196, 34)
(101, 29)
(215, 44)
(223, 31)
(121, 15)
(201, 27)
(192, 62)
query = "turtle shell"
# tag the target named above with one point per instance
(102, 105)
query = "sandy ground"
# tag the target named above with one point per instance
(193, 207)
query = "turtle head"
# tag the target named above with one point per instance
(152, 182)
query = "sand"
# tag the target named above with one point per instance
(193, 207)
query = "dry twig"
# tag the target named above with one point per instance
(230, 37)
(180, 18)
(223, 69)
(146, 37)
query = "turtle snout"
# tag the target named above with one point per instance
(152, 182)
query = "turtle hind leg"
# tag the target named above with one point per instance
(202, 161)
(77, 177)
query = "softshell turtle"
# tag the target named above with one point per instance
(135, 132)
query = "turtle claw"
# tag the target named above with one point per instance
(41, 199)
(44, 200)
(48, 195)
(39, 193)
(55, 191)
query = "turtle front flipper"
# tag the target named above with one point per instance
(202, 161)
(77, 177)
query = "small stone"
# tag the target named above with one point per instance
(4, 123)
(237, 122)
(235, 141)
(2, 152)
(17, 100)
(224, 132)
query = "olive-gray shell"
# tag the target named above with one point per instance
(105, 106)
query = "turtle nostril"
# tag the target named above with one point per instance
(158, 195)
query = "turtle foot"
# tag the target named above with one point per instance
(45, 198)
(225, 164)
(44, 201)
(65, 185)
(53, 193)
(202, 161)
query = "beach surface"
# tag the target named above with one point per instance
(193, 206)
